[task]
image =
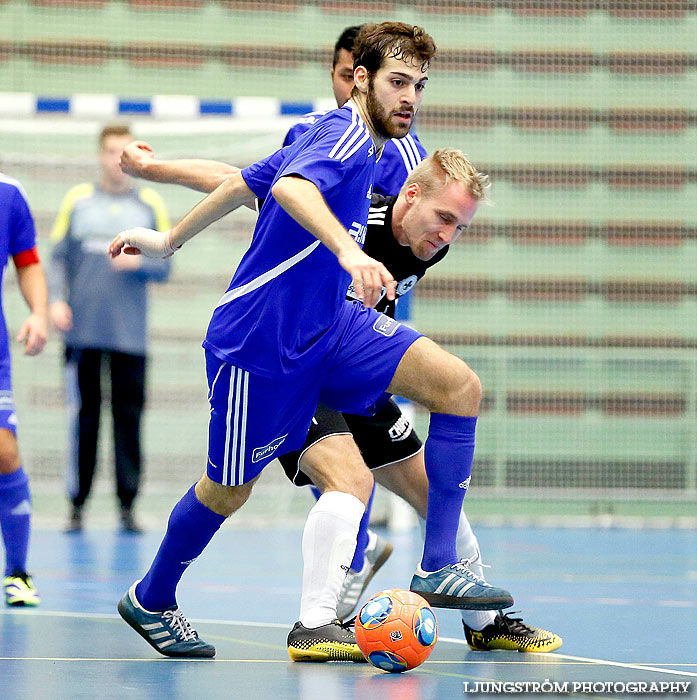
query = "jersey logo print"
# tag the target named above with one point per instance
(406, 285)
(358, 232)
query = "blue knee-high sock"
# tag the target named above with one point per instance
(190, 528)
(15, 519)
(448, 454)
(362, 538)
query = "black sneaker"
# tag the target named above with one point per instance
(128, 523)
(333, 642)
(512, 634)
(75, 520)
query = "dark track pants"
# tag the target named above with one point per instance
(83, 384)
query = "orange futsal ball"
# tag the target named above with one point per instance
(396, 630)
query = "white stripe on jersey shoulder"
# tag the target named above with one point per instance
(312, 117)
(356, 130)
(15, 183)
(409, 139)
(260, 281)
(407, 156)
(349, 129)
(364, 138)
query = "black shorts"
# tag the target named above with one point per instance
(385, 438)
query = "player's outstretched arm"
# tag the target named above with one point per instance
(305, 203)
(231, 195)
(139, 160)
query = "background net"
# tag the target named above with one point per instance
(574, 297)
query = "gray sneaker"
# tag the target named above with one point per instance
(455, 586)
(376, 554)
(168, 632)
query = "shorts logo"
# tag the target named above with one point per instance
(405, 285)
(260, 453)
(386, 326)
(400, 430)
(465, 484)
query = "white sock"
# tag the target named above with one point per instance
(468, 548)
(329, 541)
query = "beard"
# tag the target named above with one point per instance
(380, 117)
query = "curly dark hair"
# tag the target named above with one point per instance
(376, 42)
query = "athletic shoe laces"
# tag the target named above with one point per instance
(515, 625)
(463, 568)
(181, 626)
(348, 625)
(23, 576)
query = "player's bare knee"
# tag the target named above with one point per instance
(364, 486)
(9, 454)
(223, 500)
(459, 392)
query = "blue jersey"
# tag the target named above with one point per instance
(278, 314)
(17, 234)
(399, 156)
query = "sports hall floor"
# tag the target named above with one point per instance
(625, 602)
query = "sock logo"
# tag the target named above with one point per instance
(465, 484)
(191, 561)
(22, 508)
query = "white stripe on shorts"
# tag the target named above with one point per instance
(236, 427)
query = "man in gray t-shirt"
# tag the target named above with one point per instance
(100, 304)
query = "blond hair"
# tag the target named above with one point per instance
(448, 165)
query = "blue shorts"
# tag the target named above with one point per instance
(8, 417)
(254, 419)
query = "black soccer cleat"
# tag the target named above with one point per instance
(332, 642)
(511, 634)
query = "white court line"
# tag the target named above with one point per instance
(280, 625)
(601, 662)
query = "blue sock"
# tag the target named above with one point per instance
(362, 538)
(190, 528)
(15, 519)
(448, 454)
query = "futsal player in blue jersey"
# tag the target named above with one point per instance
(399, 158)
(284, 337)
(18, 240)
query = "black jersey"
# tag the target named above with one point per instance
(381, 245)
